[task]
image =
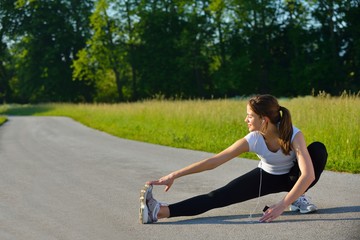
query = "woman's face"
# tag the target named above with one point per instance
(253, 120)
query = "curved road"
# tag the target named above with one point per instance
(62, 180)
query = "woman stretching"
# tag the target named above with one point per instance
(286, 165)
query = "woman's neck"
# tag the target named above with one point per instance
(271, 133)
(271, 138)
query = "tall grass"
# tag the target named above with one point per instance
(336, 123)
(213, 125)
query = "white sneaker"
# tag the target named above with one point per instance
(144, 211)
(149, 206)
(303, 205)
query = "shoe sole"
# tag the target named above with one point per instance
(144, 211)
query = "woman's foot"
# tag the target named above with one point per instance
(303, 205)
(149, 206)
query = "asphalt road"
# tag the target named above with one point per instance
(62, 180)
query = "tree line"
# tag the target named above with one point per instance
(128, 50)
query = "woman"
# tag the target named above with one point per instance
(286, 165)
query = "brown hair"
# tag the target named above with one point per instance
(267, 105)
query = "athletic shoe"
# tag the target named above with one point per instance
(149, 207)
(144, 210)
(303, 205)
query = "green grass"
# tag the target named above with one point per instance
(213, 125)
(2, 120)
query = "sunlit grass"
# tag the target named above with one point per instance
(336, 123)
(213, 125)
(2, 120)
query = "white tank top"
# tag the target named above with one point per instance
(276, 163)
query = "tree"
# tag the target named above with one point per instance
(159, 28)
(178, 34)
(49, 35)
(9, 21)
(194, 41)
(109, 54)
(69, 50)
(328, 72)
(351, 46)
(291, 50)
(250, 50)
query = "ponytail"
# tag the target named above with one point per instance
(286, 130)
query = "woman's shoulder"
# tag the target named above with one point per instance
(255, 140)
(295, 131)
(253, 135)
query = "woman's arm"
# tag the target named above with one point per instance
(306, 168)
(231, 152)
(306, 178)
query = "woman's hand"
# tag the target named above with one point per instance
(273, 212)
(166, 180)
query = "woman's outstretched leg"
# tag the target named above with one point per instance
(241, 189)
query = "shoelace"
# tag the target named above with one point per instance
(304, 200)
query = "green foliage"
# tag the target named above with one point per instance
(177, 35)
(107, 51)
(47, 36)
(128, 50)
(2, 120)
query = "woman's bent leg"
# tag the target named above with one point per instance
(318, 155)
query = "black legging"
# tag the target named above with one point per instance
(246, 187)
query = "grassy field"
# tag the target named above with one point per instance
(212, 125)
(2, 120)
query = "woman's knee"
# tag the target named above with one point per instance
(217, 198)
(318, 149)
(319, 155)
